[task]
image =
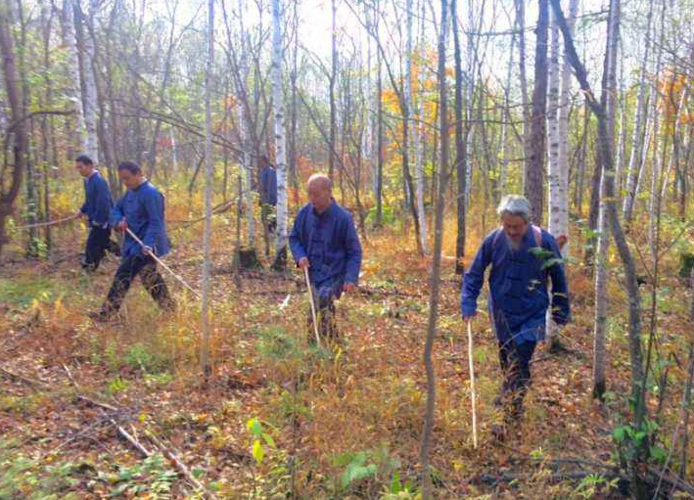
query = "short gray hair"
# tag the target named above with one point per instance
(514, 204)
(322, 178)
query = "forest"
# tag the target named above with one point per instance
(187, 145)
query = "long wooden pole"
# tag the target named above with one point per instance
(472, 383)
(313, 305)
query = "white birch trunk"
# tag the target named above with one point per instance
(654, 200)
(412, 133)
(89, 95)
(73, 92)
(634, 170)
(280, 148)
(246, 163)
(558, 138)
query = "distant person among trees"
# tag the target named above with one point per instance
(522, 257)
(96, 209)
(324, 241)
(268, 193)
(141, 210)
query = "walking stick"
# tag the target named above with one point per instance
(313, 305)
(472, 384)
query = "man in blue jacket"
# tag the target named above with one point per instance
(324, 241)
(522, 257)
(141, 210)
(268, 193)
(96, 209)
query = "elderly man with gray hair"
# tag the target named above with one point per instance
(324, 241)
(522, 258)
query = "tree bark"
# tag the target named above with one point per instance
(18, 125)
(533, 182)
(460, 147)
(637, 143)
(280, 149)
(205, 364)
(435, 279)
(608, 99)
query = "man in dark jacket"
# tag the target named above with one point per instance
(96, 208)
(522, 257)
(268, 194)
(141, 210)
(324, 241)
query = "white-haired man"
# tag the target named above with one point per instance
(522, 257)
(324, 241)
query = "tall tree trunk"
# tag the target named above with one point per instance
(18, 126)
(656, 164)
(520, 26)
(294, 114)
(245, 137)
(205, 364)
(280, 149)
(73, 91)
(435, 279)
(32, 204)
(608, 99)
(333, 79)
(460, 147)
(533, 181)
(412, 133)
(637, 143)
(89, 95)
(558, 118)
(380, 137)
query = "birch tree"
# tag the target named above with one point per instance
(205, 365)
(635, 158)
(280, 150)
(74, 90)
(411, 132)
(558, 135)
(89, 91)
(244, 120)
(601, 271)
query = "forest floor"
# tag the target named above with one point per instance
(281, 419)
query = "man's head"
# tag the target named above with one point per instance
(514, 212)
(320, 192)
(130, 174)
(84, 165)
(264, 161)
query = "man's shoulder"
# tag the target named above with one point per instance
(150, 189)
(341, 212)
(98, 179)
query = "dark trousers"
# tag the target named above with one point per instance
(146, 268)
(515, 363)
(98, 242)
(324, 297)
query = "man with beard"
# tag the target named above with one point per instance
(522, 257)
